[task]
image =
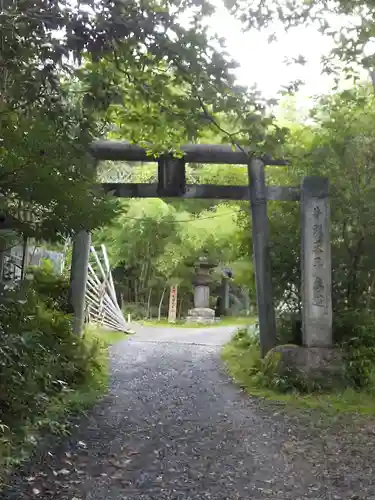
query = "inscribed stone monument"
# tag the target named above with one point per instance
(172, 304)
(316, 263)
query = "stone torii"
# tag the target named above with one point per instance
(315, 249)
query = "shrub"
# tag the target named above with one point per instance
(138, 310)
(242, 356)
(51, 288)
(45, 370)
(245, 338)
(42, 362)
(289, 329)
(353, 331)
(40, 357)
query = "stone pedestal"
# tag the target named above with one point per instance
(202, 313)
(314, 367)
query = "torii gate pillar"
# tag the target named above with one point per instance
(263, 277)
(78, 279)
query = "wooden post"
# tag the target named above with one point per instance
(224, 304)
(172, 304)
(316, 263)
(78, 279)
(258, 202)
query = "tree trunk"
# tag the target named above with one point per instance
(370, 293)
(161, 303)
(149, 304)
(25, 260)
(143, 278)
(372, 76)
(352, 296)
(2, 257)
(180, 307)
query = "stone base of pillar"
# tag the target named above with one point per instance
(316, 367)
(202, 315)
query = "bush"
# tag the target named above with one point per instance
(289, 329)
(138, 310)
(40, 357)
(242, 356)
(245, 337)
(52, 289)
(42, 363)
(354, 330)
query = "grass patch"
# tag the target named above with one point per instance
(19, 442)
(243, 364)
(105, 337)
(227, 321)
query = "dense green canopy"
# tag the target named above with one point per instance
(149, 72)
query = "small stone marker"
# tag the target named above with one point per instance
(316, 270)
(172, 304)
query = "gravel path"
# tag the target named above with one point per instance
(174, 427)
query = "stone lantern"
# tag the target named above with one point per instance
(202, 313)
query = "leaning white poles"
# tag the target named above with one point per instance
(101, 302)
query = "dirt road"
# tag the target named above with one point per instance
(174, 427)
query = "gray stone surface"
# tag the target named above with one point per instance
(78, 279)
(201, 296)
(261, 255)
(201, 315)
(173, 427)
(322, 366)
(316, 270)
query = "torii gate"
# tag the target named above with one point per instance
(172, 183)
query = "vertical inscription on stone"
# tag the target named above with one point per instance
(318, 292)
(316, 263)
(318, 298)
(172, 304)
